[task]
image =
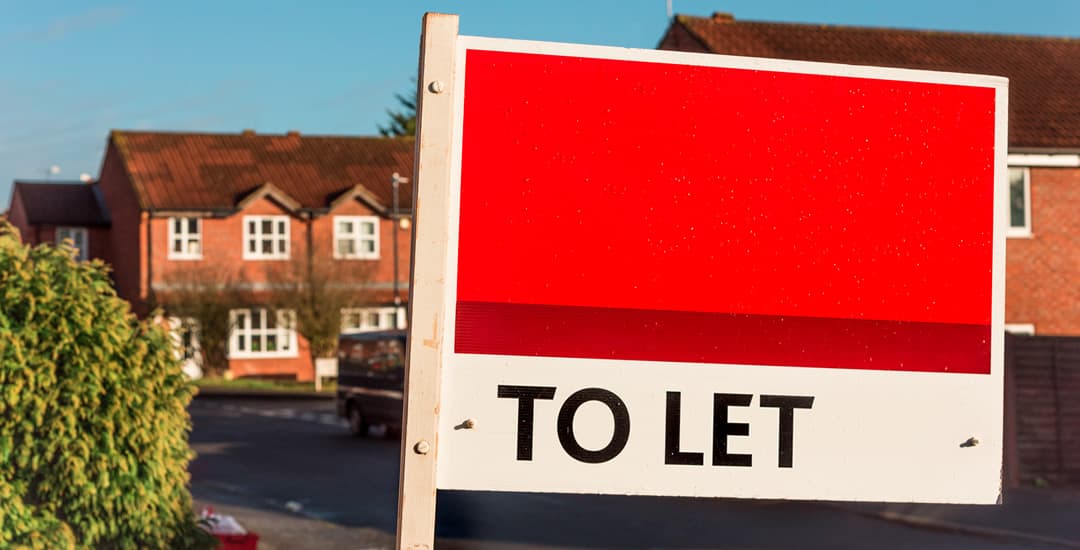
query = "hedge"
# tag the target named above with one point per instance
(93, 419)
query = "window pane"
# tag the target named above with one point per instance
(257, 319)
(367, 228)
(345, 227)
(256, 343)
(369, 246)
(267, 246)
(177, 245)
(373, 319)
(281, 228)
(241, 342)
(267, 227)
(251, 245)
(271, 321)
(271, 342)
(1016, 198)
(193, 246)
(178, 225)
(193, 225)
(252, 227)
(281, 246)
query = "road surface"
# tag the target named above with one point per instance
(296, 456)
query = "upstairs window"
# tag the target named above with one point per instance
(1019, 202)
(266, 237)
(76, 238)
(356, 237)
(260, 332)
(185, 238)
(372, 318)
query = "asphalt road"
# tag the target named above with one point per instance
(295, 455)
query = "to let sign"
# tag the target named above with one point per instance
(700, 275)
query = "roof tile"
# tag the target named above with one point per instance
(178, 171)
(61, 203)
(1043, 72)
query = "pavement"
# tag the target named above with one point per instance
(1040, 518)
(285, 530)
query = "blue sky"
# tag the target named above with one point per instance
(73, 70)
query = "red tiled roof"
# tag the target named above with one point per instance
(1043, 72)
(61, 203)
(179, 171)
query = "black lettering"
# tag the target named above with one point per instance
(672, 454)
(525, 395)
(722, 428)
(619, 437)
(787, 405)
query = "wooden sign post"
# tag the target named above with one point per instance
(427, 315)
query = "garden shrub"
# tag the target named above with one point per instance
(93, 419)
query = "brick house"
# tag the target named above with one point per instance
(1042, 251)
(245, 210)
(50, 212)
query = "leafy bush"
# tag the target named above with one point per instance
(93, 419)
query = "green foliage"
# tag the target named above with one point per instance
(93, 420)
(402, 122)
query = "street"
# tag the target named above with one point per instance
(295, 456)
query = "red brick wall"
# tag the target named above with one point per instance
(381, 271)
(127, 239)
(223, 248)
(1043, 271)
(17, 217)
(97, 238)
(222, 259)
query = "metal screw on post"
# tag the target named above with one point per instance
(437, 87)
(422, 447)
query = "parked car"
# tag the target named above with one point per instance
(371, 379)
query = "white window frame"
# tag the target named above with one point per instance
(1024, 329)
(258, 237)
(1025, 230)
(185, 236)
(243, 333)
(76, 235)
(389, 318)
(179, 327)
(357, 238)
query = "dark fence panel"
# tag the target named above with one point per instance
(1044, 383)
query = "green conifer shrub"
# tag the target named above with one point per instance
(93, 419)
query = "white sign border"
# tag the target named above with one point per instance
(995, 379)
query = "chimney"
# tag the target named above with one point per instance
(721, 17)
(293, 133)
(247, 132)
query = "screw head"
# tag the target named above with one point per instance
(422, 447)
(437, 86)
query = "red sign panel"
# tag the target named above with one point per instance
(650, 211)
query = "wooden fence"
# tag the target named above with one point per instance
(1042, 407)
